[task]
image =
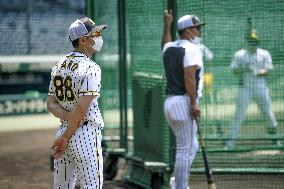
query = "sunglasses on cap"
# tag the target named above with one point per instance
(94, 34)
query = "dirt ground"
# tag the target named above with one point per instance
(24, 161)
(24, 164)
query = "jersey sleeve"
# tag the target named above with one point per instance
(51, 88)
(193, 57)
(208, 55)
(91, 84)
(166, 46)
(235, 63)
(268, 61)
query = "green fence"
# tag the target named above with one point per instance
(256, 155)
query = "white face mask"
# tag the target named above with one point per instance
(98, 43)
(196, 40)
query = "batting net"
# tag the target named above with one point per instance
(256, 151)
(255, 154)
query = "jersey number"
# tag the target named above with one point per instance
(63, 88)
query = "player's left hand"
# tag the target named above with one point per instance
(195, 112)
(59, 147)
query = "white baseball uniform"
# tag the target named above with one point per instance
(74, 76)
(251, 86)
(208, 56)
(177, 56)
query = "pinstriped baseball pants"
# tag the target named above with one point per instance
(82, 159)
(177, 112)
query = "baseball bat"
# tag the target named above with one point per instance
(209, 175)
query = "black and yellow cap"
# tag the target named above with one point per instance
(253, 36)
(82, 27)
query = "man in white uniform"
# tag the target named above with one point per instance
(182, 62)
(208, 56)
(73, 97)
(252, 65)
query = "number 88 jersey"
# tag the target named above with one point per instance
(74, 76)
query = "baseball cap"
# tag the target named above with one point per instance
(82, 27)
(253, 36)
(188, 21)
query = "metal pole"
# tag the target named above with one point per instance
(91, 13)
(90, 8)
(172, 5)
(121, 11)
(28, 13)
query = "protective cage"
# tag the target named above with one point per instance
(258, 158)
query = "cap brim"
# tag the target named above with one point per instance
(100, 27)
(200, 24)
(252, 39)
(196, 25)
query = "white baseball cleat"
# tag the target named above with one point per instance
(173, 183)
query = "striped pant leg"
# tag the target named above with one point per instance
(177, 111)
(87, 154)
(65, 175)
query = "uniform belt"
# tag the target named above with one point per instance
(170, 95)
